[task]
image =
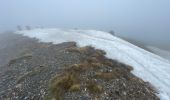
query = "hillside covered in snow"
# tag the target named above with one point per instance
(147, 66)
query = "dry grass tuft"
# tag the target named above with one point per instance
(93, 87)
(129, 68)
(78, 67)
(114, 74)
(84, 66)
(63, 83)
(107, 76)
(84, 50)
(99, 53)
(75, 87)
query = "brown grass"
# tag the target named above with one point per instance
(63, 83)
(80, 50)
(84, 66)
(93, 87)
(75, 87)
(99, 53)
(78, 67)
(105, 75)
(114, 74)
(70, 80)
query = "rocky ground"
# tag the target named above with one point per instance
(31, 70)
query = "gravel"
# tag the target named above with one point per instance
(27, 67)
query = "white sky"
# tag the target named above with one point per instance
(147, 20)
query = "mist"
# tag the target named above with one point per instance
(146, 20)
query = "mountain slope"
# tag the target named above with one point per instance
(147, 66)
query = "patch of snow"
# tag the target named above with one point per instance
(148, 66)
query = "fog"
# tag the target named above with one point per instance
(145, 20)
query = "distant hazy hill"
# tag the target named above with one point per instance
(136, 42)
(161, 52)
